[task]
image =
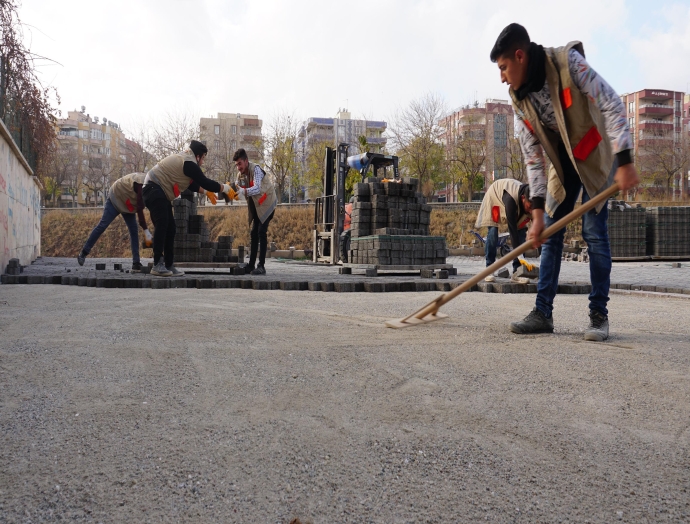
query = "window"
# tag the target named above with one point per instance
(216, 130)
(84, 148)
(234, 130)
(107, 136)
(677, 106)
(216, 145)
(631, 107)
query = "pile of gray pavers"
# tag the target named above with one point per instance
(390, 225)
(14, 267)
(192, 237)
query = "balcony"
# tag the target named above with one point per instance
(656, 124)
(649, 109)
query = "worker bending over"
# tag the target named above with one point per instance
(261, 204)
(506, 203)
(565, 108)
(165, 182)
(125, 198)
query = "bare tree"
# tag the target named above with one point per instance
(173, 133)
(663, 157)
(416, 138)
(278, 144)
(516, 161)
(24, 103)
(467, 151)
(136, 150)
(56, 169)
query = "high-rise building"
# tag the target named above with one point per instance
(656, 121)
(229, 132)
(90, 158)
(341, 129)
(490, 123)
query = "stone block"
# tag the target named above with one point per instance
(648, 288)
(427, 273)
(485, 287)
(23, 280)
(371, 272)
(117, 267)
(237, 271)
(327, 286)
(443, 286)
(676, 265)
(345, 270)
(344, 287)
(204, 283)
(522, 271)
(315, 286)
(442, 274)
(391, 287)
(247, 284)
(39, 279)
(374, 287)
(160, 283)
(294, 286)
(178, 283)
(65, 280)
(100, 267)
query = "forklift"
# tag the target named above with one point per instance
(329, 210)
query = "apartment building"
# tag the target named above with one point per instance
(228, 132)
(91, 157)
(342, 129)
(491, 122)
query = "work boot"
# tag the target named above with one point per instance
(160, 270)
(136, 267)
(81, 257)
(260, 270)
(535, 322)
(598, 329)
(519, 280)
(175, 272)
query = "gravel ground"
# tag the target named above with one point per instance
(189, 405)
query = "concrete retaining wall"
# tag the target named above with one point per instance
(20, 200)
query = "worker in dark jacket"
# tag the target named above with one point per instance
(125, 198)
(165, 182)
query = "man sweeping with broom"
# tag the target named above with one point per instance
(565, 108)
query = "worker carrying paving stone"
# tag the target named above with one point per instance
(506, 203)
(565, 108)
(164, 183)
(125, 198)
(261, 198)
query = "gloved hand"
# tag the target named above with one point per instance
(148, 242)
(229, 192)
(211, 197)
(528, 266)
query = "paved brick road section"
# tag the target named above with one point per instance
(295, 276)
(212, 405)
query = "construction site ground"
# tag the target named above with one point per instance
(237, 405)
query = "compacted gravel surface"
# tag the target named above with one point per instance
(232, 405)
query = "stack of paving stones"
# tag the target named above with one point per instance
(390, 225)
(14, 267)
(192, 237)
(627, 231)
(668, 231)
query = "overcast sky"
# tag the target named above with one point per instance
(133, 61)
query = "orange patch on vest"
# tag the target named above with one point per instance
(263, 197)
(566, 98)
(129, 206)
(524, 223)
(588, 144)
(176, 190)
(496, 214)
(529, 126)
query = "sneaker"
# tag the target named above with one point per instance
(535, 322)
(175, 272)
(81, 257)
(490, 278)
(519, 280)
(136, 267)
(160, 270)
(260, 270)
(598, 329)
(248, 268)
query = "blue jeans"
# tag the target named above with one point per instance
(492, 243)
(109, 214)
(594, 233)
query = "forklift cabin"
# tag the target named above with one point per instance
(329, 210)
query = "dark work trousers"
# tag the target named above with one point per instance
(162, 217)
(259, 239)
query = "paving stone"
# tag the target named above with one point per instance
(204, 283)
(645, 287)
(238, 271)
(522, 271)
(235, 284)
(83, 281)
(132, 283)
(345, 270)
(261, 284)
(117, 267)
(374, 287)
(247, 284)
(344, 287)
(223, 283)
(294, 286)
(675, 290)
(565, 289)
(503, 273)
(443, 286)
(113, 283)
(100, 267)
(371, 272)
(178, 282)
(74, 281)
(408, 286)
(442, 274)
(35, 279)
(485, 287)
(146, 283)
(160, 283)
(22, 279)
(65, 280)
(425, 286)
(453, 271)
(327, 286)
(676, 265)
(427, 273)
(316, 286)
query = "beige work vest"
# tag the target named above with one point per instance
(265, 202)
(493, 211)
(122, 193)
(169, 174)
(581, 128)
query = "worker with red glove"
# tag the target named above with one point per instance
(165, 182)
(125, 198)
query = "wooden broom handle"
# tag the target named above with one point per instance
(432, 307)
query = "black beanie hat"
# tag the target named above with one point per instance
(198, 148)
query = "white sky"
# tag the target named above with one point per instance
(133, 61)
